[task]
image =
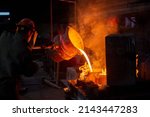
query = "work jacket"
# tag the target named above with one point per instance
(15, 60)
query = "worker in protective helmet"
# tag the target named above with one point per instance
(26, 27)
(16, 59)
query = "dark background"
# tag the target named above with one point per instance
(40, 12)
(37, 10)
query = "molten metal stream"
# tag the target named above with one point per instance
(85, 55)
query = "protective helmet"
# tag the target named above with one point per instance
(26, 23)
(26, 27)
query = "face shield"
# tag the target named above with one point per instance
(32, 38)
(27, 27)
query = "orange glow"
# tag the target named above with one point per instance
(75, 38)
(84, 71)
(66, 89)
(137, 71)
(103, 72)
(87, 59)
(94, 25)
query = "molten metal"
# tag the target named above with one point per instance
(88, 61)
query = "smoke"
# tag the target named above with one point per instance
(94, 24)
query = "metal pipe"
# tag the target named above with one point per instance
(50, 83)
(75, 8)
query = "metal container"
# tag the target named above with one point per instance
(66, 46)
(120, 59)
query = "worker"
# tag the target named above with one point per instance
(16, 57)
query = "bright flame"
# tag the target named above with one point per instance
(87, 59)
(103, 72)
(85, 71)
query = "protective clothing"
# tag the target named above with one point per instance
(15, 58)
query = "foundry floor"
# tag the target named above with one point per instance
(39, 90)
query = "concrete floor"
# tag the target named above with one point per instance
(39, 90)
